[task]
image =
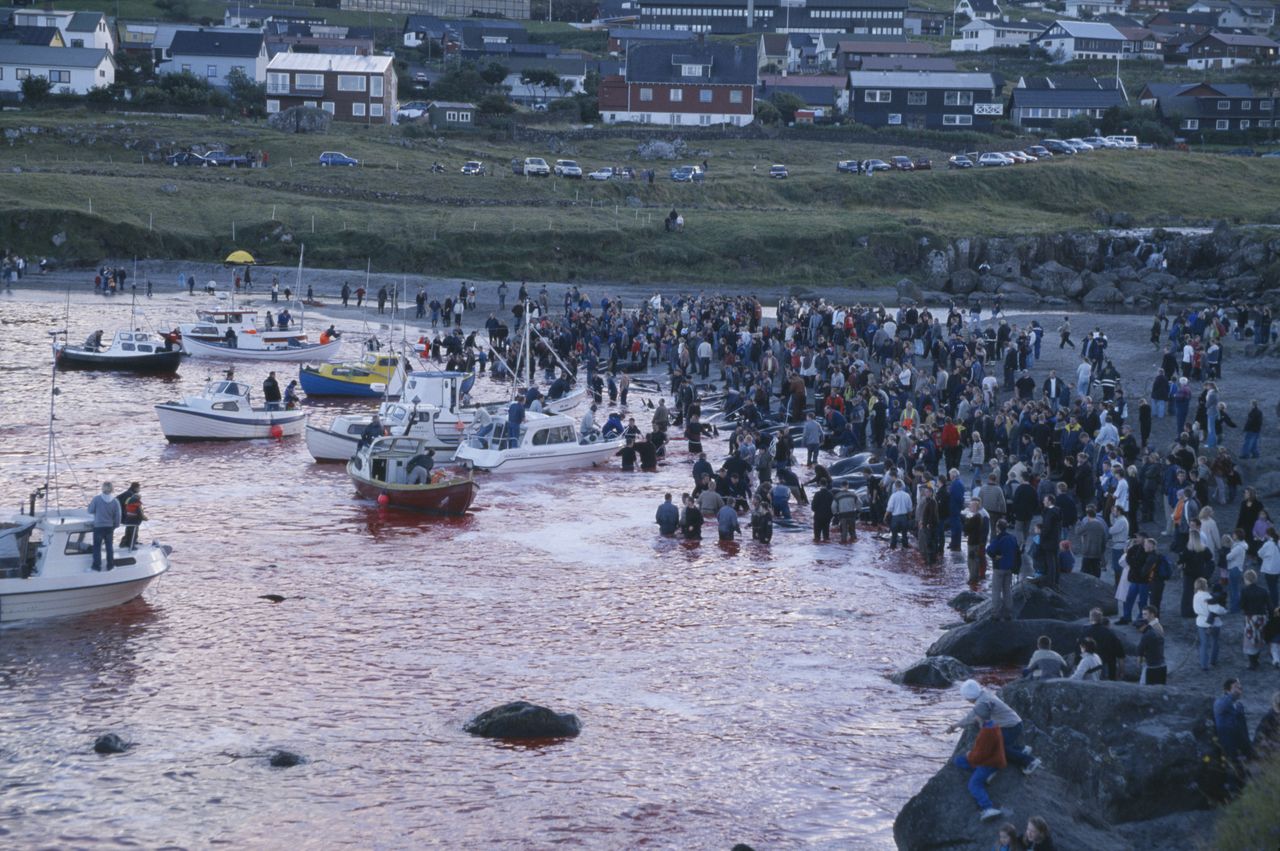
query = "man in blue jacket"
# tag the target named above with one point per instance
(955, 507)
(515, 416)
(1006, 556)
(668, 517)
(1232, 728)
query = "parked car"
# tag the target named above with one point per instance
(568, 168)
(849, 166)
(687, 174)
(411, 111)
(225, 159)
(420, 77)
(778, 171)
(875, 165)
(1058, 146)
(959, 161)
(902, 164)
(1040, 152)
(994, 158)
(1241, 152)
(536, 166)
(539, 107)
(602, 173)
(1100, 142)
(337, 158)
(1124, 141)
(1079, 144)
(473, 167)
(922, 164)
(185, 158)
(1019, 157)
(1270, 155)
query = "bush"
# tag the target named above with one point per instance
(767, 113)
(1252, 820)
(35, 90)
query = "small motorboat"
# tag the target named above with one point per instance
(545, 443)
(397, 471)
(46, 567)
(211, 326)
(375, 374)
(224, 412)
(255, 347)
(130, 351)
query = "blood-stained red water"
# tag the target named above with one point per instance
(728, 693)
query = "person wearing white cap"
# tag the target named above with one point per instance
(987, 705)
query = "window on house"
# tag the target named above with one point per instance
(677, 95)
(22, 74)
(351, 82)
(186, 69)
(375, 87)
(691, 70)
(957, 99)
(1264, 105)
(917, 98)
(704, 95)
(310, 82)
(357, 109)
(1190, 124)
(895, 118)
(211, 71)
(273, 106)
(1224, 105)
(704, 119)
(1246, 105)
(877, 96)
(646, 94)
(735, 96)
(59, 76)
(77, 42)
(1265, 122)
(957, 120)
(309, 103)
(277, 84)
(1223, 124)
(327, 106)
(375, 110)
(1245, 124)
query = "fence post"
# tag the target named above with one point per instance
(151, 220)
(233, 230)
(91, 206)
(313, 222)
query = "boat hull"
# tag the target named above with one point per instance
(315, 384)
(450, 499)
(287, 354)
(535, 460)
(327, 445)
(153, 362)
(87, 592)
(182, 424)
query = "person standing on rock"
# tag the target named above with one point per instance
(1109, 647)
(1232, 727)
(983, 760)
(1006, 557)
(898, 515)
(1252, 431)
(977, 529)
(1255, 603)
(987, 706)
(1093, 542)
(1154, 670)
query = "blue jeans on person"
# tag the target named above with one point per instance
(1159, 407)
(1234, 580)
(1115, 563)
(977, 781)
(955, 525)
(898, 526)
(102, 535)
(1013, 749)
(1212, 439)
(782, 508)
(1138, 592)
(1208, 646)
(1250, 447)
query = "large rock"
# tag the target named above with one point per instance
(1114, 755)
(966, 600)
(301, 119)
(991, 642)
(933, 672)
(1101, 297)
(909, 290)
(521, 720)
(657, 149)
(1076, 594)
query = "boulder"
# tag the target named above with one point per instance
(521, 720)
(300, 119)
(58, 239)
(1102, 297)
(933, 672)
(169, 188)
(1076, 594)
(110, 743)
(966, 600)
(1116, 757)
(909, 290)
(1267, 484)
(657, 149)
(964, 281)
(991, 642)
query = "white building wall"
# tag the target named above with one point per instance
(677, 119)
(221, 66)
(81, 79)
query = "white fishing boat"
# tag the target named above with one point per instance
(256, 347)
(129, 351)
(545, 443)
(224, 412)
(46, 567)
(212, 325)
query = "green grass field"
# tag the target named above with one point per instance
(84, 176)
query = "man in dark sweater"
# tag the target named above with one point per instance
(1151, 649)
(1110, 648)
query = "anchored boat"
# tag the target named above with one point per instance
(375, 374)
(224, 412)
(129, 351)
(544, 443)
(398, 471)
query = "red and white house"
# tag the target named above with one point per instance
(684, 84)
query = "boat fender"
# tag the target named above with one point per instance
(251, 330)
(459, 425)
(594, 437)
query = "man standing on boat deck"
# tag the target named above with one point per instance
(106, 517)
(271, 392)
(515, 416)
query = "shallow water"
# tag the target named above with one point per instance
(729, 693)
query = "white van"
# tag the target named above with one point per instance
(537, 167)
(1124, 141)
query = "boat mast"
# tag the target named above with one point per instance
(528, 349)
(50, 464)
(302, 325)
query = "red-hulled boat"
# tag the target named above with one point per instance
(400, 472)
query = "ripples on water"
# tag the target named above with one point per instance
(728, 693)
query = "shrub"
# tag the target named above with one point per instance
(35, 90)
(1252, 820)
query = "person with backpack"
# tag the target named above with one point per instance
(847, 506)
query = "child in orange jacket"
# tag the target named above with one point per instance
(984, 759)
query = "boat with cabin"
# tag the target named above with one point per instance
(377, 373)
(224, 412)
(542, 443)
(129, 351)
(400, 472)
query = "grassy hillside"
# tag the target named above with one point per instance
(93, 178)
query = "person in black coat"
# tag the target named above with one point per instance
(821, 506)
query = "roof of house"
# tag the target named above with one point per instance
(1179, 90)
(1201, 19)
(1088, 29)
(565, 66)
(921, 80)
(55, 57)
(41, 36)
(887, 48)
(1231, 40)
(84, 22)
(216, 43)
(908, 63)
(340, 62)
(1004, 24)
(425, 24)
(450, 104)
(1098, 98)
(659, 63)
(775, 44)
(1069, 82)
(804, 81)
(987, 7)
(634, 34)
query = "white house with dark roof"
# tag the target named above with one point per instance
(78, 29)
(978, 10)
(1094, 8)
(213, 54)
(1258, 16)
(69, 70)
(1065, 41)
(982, 35)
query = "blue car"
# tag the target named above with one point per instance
(687, 174)
(337, 158)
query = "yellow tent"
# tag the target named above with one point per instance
(239, 258)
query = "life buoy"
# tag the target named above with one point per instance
(251, 330)
(437, 477)
(594, 437)
(459, 425)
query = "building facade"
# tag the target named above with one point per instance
(984, 35)
(691, 84)
(1228, 50)
(924, 100)
(864, 17)
(69, 70)
(350, 88)
(213, 54)
(1066, 41)
(78, 29)
(1208, 108)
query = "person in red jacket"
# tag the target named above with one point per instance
(984, 759)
